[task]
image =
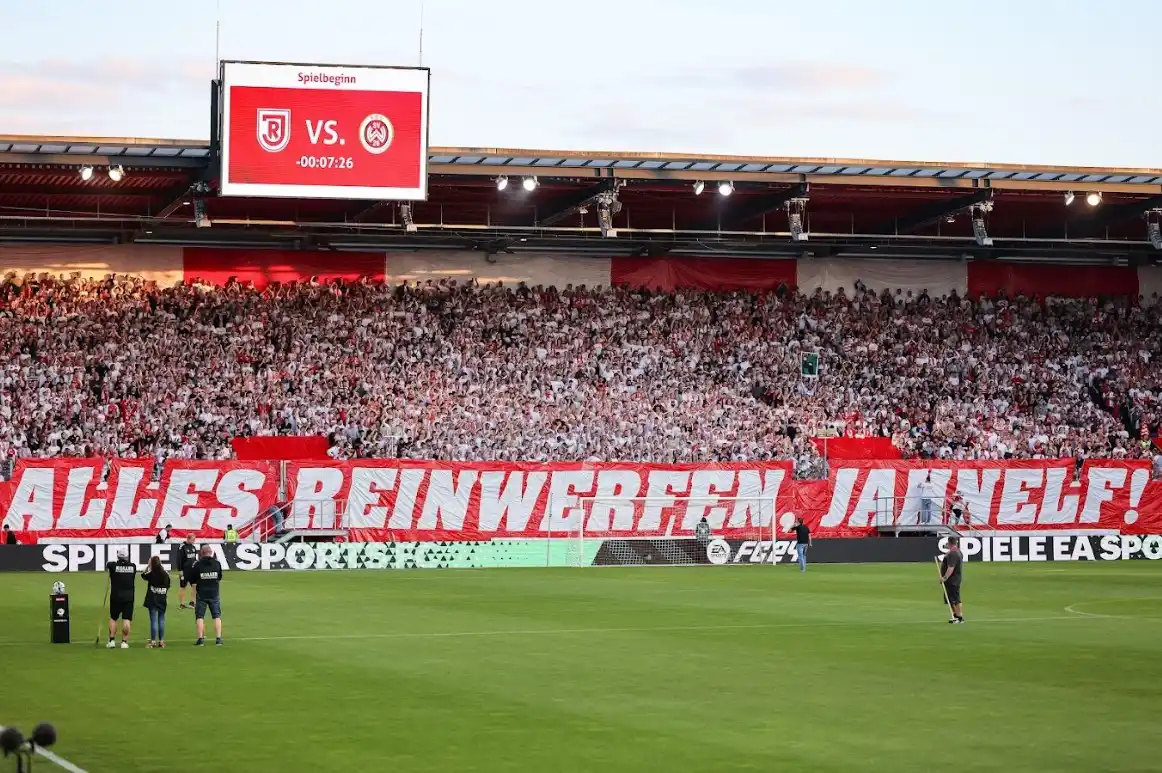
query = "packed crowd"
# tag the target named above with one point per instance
(121, 367)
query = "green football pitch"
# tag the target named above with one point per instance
(845, 668)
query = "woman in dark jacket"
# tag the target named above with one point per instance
(157, 590)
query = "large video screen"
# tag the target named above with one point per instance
(324, 131)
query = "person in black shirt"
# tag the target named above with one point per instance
(9, 536)
(802, 542)
(122, 575)
(185, 555)
(206, 577)
(157, 584)
(951, 571)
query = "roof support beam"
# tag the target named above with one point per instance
(368, 212)
(750, 208)
(931, 213)
(565, 206)
(921, 218)
(1089, 222)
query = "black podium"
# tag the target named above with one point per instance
(58, 613)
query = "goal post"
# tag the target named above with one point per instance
(661, 531)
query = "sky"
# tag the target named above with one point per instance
(1002, 81)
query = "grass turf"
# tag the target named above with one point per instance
(638, 669)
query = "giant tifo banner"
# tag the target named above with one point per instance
(322, 131)
(426, 501)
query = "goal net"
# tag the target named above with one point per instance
(663, 531)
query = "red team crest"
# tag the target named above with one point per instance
(376, 133)
(273, 129)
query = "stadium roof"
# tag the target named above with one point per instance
(854, 206)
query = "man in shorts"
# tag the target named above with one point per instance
(206, 577)
(951, 572)
(122, 582)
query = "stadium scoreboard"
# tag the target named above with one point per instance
(322, 131)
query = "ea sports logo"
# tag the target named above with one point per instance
(718, 551)
(376, 133)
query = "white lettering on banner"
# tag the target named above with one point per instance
(130, 509)
(663, 489)
(471, 501)
(760, 490)
(563, 513)
(705, 486)
(1056, 507)
(977, 486)
(1111, 547)
(32, 500)
(236, 492)
(368, 484)
(405, 502)
(509, 498)
(1106, 481)
(315, 492)
(841, 492)
(80, 479)
(878, 495)
(911, 506)
(449, 494)
(763, 552)
(1015, 507)
(606, 515)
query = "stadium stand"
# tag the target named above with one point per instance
(120, 366)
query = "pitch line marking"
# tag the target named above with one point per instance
(661, 629)
(1073, 608)
(579, 631)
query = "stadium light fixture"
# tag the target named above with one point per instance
(86, 173)
(501, 183)
(116, 173)
(529, 184)
(699, 187)
(1093, 199)
(725, 188)
(1069, 197)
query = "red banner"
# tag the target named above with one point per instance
(411, 501)
(324, 131)
(66, 498)
(850, 448)
(383, 500)
(282, 448)
(671, 274)
(1036, 495)
(218, 265)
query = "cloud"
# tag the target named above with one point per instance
(801, 77)
(53, 84)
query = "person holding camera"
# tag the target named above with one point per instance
(206, 577)
(157, 584)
